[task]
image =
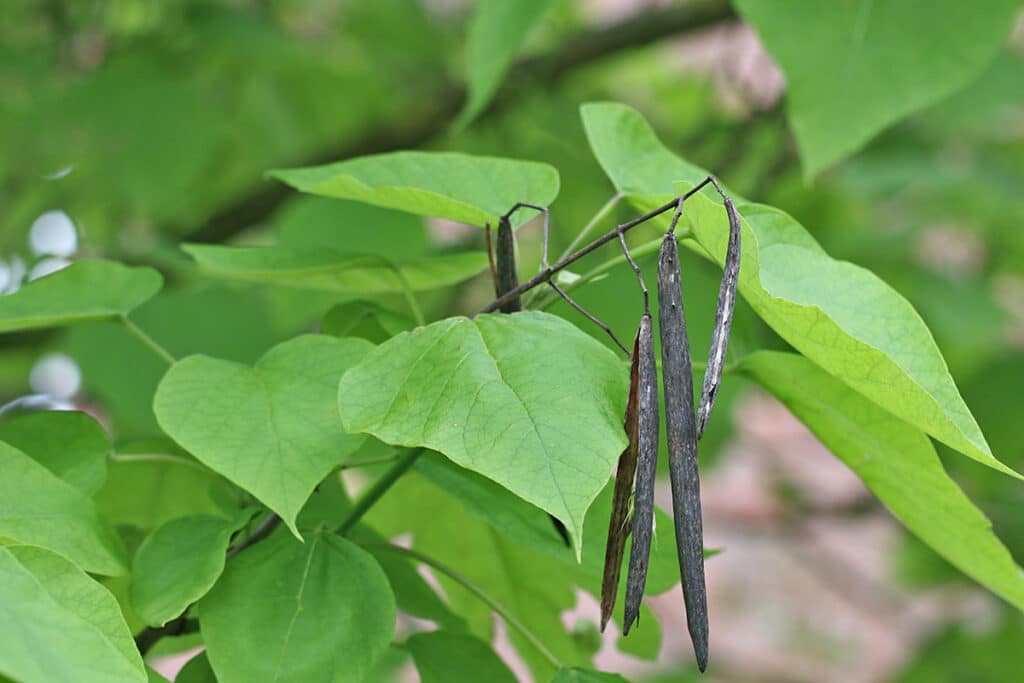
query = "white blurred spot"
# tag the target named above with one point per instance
(56, 375)
(35, 402)
(60, 173)
(566, 277)
(53, 233)
(5, 276)
(17, 275)
(48, 266)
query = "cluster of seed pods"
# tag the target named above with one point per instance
(633, 498)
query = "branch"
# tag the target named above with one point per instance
(541, 71)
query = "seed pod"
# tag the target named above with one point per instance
(647, 460)
(505, 252)
(680, 423)
(723, 319)
(618, 529)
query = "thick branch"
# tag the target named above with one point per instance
(541, 71)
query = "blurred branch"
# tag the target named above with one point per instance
(540, 71)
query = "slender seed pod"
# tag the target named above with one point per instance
(505, 251)
(647, 460)
(618, 529)
(681, 432)
(723, 319)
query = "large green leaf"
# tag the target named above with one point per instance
(446, 656)
(37, 508)
(854, 68)
(897, 463)
(178, 563)
(468, 189)
(496, 32)
(315, 611)
(527, 400)
(87, 290)
(326, 270)
(838, 314)
(70, 444)
(46, 601)
(273, 428)
(196, 670)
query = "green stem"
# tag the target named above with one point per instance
(479, 593)
(368, 462)
(410, 298)
(147, 340)
(372, 494)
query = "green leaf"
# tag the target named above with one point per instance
(320, 610)
(586, 676)
(86, 290)
(897, 463)
(487, 394)
(196, 670)
(444, 656)
(273, 428)
(44, 597)
(468, 189)
(838, 314)
(159, 486)
(70, 444)
(496, 32)
(37, 508)
(854, 68)
(178, 563)
(330, 271)
(366, 320)
(153, 677)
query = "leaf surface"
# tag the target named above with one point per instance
(44, 596)
(86, 290)
(855, 68)
(496, 32)
(273, 428)
(459, 187)
(70, 444)
(527, 400)
(315, 611)
(326, 270)
(897, 463)
(445, 656)
(38, 508)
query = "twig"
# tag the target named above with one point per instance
(265, 528)
(151, 343)
(372, 494)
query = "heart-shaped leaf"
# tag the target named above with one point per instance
(459, 187)
(330, 271)
(47, 599)
(320, 610)
(897, 463)
(855, 68)
(37, 508)
(178, 563)
(273, 428)
(86, 290)
(527, 400)
(838, 314)
(70, 444)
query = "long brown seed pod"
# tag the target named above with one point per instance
(680, 423)
(618, 530)
(505, 251)
(723, 317)
(647, 460)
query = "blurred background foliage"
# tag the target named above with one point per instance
(154, 123)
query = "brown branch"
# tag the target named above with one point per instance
(541, 71)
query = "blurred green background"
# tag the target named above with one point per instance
(152, 123)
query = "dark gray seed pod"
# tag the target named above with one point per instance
(618, 529)
(723, 320)
(680, 423)
(505, 254)
(647, 461)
